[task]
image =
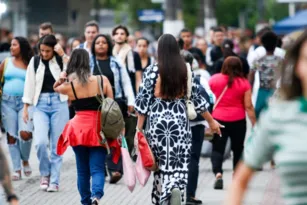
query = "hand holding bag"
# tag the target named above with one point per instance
(145, 152)
(129, 172)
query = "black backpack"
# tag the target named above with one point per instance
(37, 58)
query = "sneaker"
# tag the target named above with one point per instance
(176, 197)
(193, 201)
(44, 184)
(218, 184)
(95, 202)
(53, 188)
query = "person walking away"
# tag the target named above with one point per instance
(268, 68)
(50, 110)
(19, 134)
(168, 131)
(233, 93)
(281, 134)
(82, 132)
(5, 180)
(109, 66)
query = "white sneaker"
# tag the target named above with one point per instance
(53, 188)
(44, 184)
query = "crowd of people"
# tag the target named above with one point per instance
(52, 92)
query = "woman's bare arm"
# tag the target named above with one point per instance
(243, 175)
(249, 108)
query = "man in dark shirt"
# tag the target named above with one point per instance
(216, 51)
(186, 36)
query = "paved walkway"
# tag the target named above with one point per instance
(263, 190)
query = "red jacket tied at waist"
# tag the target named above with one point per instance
(84, 130)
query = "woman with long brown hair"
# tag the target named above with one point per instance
(162, 97)
(233, 94)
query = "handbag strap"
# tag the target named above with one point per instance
(100, 82)
(189, 81)
(220, 97)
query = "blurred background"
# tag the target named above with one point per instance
(149, 18)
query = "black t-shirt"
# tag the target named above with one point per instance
(216, 53)
(137, 66)
(104, 68)
(49, 80)
(219, 64)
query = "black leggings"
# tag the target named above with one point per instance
(236, 131)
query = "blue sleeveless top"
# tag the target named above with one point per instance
(14, 79)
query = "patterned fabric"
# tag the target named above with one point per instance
(168, 134)
(267, 67)
(281, 135)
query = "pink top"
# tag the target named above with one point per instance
(231, 106)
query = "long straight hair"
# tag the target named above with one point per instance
(172, 68)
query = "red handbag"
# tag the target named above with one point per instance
(148, 159)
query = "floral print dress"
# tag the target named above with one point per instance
(168, 134)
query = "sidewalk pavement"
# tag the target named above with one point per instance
(264, 189)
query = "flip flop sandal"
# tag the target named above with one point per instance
(27, 170)
(16, 176)
(115, 177)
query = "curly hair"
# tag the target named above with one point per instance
(26, 52)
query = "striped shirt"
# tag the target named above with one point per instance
(281, 134)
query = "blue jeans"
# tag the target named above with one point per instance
(12, 109)
(50, 117)
(90, 163)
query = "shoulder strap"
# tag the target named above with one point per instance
(36, 62)
(189, 81)
(73, 89)
(220, 97)
(100, 85)
(59, 61)
(6, 60)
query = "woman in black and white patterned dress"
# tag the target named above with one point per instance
(161, 98)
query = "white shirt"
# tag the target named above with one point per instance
(34, 81)
(259, 52)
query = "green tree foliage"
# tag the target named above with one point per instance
(227, 11)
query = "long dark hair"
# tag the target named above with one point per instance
(79, 64)
(291, 85)
(109, 42)
(232, 67)
(26, 52)
(227, 48)
(172, 68)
